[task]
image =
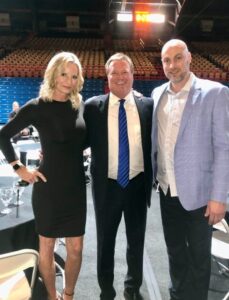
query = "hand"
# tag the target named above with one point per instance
(30, 175)
(25, 132)
(215, 211)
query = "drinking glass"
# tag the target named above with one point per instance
(6, 195)
(18, 190)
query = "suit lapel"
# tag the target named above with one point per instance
(140, 108)
(103, 106)
(103, 121)
(157, 96)
(190, 104)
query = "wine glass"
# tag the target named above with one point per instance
(6, 195)
(18, 190)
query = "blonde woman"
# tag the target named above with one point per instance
(59, 193)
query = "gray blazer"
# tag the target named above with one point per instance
(201, 155)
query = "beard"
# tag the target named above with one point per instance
(177, 78)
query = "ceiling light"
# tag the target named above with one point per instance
(147, 17)
(125, 17)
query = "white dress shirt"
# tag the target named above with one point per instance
(169, 117)
(134, 136)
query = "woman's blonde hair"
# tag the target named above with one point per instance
(54, 68)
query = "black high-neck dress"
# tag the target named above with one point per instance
(59, 205)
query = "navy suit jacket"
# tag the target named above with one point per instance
(96, 118)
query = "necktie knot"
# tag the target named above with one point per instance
(122, 101)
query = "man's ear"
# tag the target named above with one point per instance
(190, 57)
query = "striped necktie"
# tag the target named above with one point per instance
(123, 155)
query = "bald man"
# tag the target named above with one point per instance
(190, 151)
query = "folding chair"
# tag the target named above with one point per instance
(220, 249)
(13, 283)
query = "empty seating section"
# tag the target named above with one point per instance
(23, 61)
(92, 63)
(32, 63)
(32, 55)
(24, 89)
(218, 54)
(125, 45)
(143, 67)
(92, 87)
(88, 51)
(16, 89)
(204, 68)
(207, 48)
(221, 59)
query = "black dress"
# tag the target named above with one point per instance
(59, 205)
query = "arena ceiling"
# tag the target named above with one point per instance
(192, 19)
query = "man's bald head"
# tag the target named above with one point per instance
(176, 60)
(174, 43)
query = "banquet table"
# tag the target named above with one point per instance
(17, 229)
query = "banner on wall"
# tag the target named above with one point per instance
(73, 23)
(207, 25)
(4, 19)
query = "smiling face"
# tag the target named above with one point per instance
(176, 61)
(120, 78)
(65, 81)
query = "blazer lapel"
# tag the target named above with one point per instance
(157, 96)
(188, 110)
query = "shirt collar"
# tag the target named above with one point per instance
(114, 100)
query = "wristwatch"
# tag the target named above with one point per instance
(17, 166)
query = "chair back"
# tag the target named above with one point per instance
(220, 250)
(13, 263)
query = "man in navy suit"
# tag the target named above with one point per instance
(190, 151)
(111, 200)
